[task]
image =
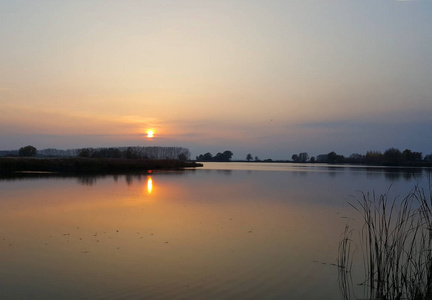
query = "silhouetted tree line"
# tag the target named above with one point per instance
(179, 153)
(330, 158)
(300, 158)
(27, 151)
(137, 153)
(391, 156)
(52, 152)
(225, 156)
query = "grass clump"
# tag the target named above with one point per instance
(396, 245)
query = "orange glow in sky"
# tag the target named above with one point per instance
(154, 74)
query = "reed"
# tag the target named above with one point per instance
(396, 243)
(344, 263)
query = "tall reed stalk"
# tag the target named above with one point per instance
(345, 263)
(396, 245)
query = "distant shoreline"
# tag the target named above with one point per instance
(78, 165)
(419, 164)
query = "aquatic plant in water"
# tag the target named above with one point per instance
(395, 243)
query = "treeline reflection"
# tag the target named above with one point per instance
(395, 174)
(392, 174)
(89, 179)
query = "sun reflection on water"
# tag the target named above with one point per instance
(149, 184)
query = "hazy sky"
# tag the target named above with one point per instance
(272, 77)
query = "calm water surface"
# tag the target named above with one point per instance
(225, 231)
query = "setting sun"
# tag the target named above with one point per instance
(150, 134)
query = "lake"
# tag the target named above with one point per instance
(224, 231)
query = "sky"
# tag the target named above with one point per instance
(271, 78)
